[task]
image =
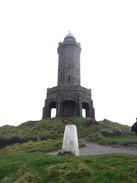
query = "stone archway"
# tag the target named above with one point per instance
(52, 105)
(85, 106)
(69, 108)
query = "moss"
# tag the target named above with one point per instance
(95, 137)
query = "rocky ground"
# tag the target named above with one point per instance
(92, 148)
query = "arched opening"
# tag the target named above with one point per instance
(69, 108)
(84, 113)
(85, 109)
(53, 112)
(52, 109)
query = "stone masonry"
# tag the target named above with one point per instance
(68, 97)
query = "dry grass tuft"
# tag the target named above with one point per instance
(56, 169)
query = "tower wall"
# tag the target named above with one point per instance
(69, 62)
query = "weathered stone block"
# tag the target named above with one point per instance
(128, 132)
(117, 131)
(31, 137)
(111, 133)
(104, 131)
(42, 136)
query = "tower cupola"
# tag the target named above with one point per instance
(69, 37)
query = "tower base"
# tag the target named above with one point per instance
(69, 101)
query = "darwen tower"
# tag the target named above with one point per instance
(69, 97)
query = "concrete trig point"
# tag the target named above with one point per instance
(70, 141)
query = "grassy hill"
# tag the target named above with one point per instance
(56, 126)
(27, 162)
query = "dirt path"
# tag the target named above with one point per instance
(92, 148)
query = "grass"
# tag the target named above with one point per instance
(49, 126)
(44, 126)
(112, 125)
(106, 140)
(38, 168)
(96, 136)
(27, 162)
(55, 127)
(120, 139)
(38, 146)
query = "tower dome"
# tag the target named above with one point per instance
(69, 35)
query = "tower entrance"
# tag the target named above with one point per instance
(69, 108)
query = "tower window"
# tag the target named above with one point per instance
(77, 71)
(69, 60)
(68, 78)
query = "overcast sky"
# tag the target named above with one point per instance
(30, 31)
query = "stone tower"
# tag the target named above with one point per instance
(68, 97)
(69, 61)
